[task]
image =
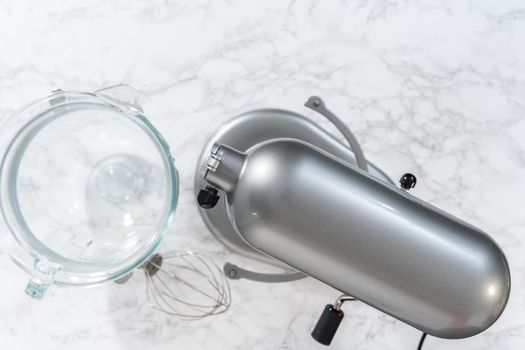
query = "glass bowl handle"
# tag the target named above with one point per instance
(44, 273)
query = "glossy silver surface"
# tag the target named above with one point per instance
(367, 239)
(247, 130)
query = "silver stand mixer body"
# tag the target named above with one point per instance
(292, 196)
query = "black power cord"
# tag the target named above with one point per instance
(421, 341)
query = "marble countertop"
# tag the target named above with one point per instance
(435, 88)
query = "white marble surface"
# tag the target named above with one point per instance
(432, 87)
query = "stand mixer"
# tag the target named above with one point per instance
(274, 186)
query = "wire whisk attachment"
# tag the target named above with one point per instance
(186, 284)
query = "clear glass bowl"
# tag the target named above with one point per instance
(87, 188)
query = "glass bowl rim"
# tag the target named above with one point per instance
(24, 256)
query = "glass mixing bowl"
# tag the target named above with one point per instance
(87, 188)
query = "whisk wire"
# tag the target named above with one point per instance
(174, 279)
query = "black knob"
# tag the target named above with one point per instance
(407, 181)
(324, 330)
(208, 198)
